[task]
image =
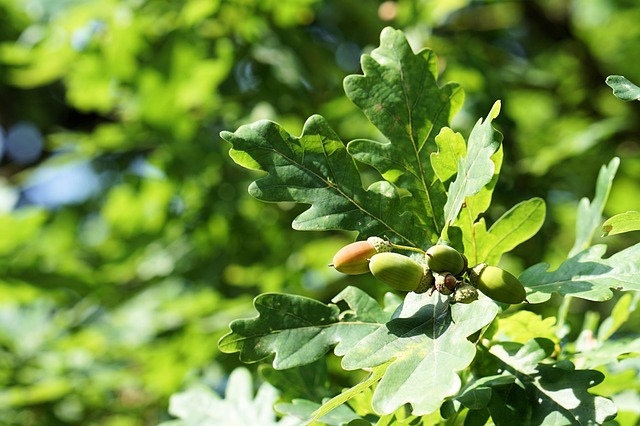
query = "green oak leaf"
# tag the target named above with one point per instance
(608, 352)
(563, 396)
(427, 342)
(522, 326)
(514, 227)
(300, 330)
(607, 347)
(303, 409)
(586, 275)
(339, 400)
(620, 314)
(467, 234)
(400, 95)
(310, 381)
(478, 203)
(476, 169)
(451, 148)
(620, 223)
(316, 169)
(199, 405)
(476, 395)
(508, 404)
(589, 215)
(559, 390)
(623, 88)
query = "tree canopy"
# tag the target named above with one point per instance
(132, 235)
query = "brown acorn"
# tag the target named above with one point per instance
(353, 259)
(445, 283)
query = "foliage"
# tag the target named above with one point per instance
(425, 343)
(129, 242)
(199, 405)
(623, 222)
(623, 88)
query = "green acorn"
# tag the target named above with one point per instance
(399, 272)
(353, 259)
(497, 283)
(441, 258)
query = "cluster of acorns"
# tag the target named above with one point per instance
(445, 270)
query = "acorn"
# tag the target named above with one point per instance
(445, 283)
(497, 284)
(465, 293)
(399, 272)
(353, 259)
(441, 258)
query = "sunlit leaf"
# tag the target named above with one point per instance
(586, 275)
(589, 215)
(479, 202)
(451, 148)
(522, 326)
(620, 314)
(606, 347)
(310, 381)
(476, 169)
(304, 409)
(337, 401)
(300, 330)
(514, 227)
(623, 88)
(316, 169)
(199, 405)
(427, 342)
(469, 231)
(559, 390)
(400, 95)
(608, 352)
(620, 223)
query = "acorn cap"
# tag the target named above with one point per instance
(465, 293)
(427, 281)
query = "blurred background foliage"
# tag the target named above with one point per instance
(127, 239)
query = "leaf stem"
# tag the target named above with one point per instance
(401, 247)
(563, 312)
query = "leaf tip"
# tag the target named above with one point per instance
(226, 135)
(387, 31)
(495, 109)
(614, 163)
(611, 80)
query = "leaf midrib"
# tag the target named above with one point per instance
(331, 185)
